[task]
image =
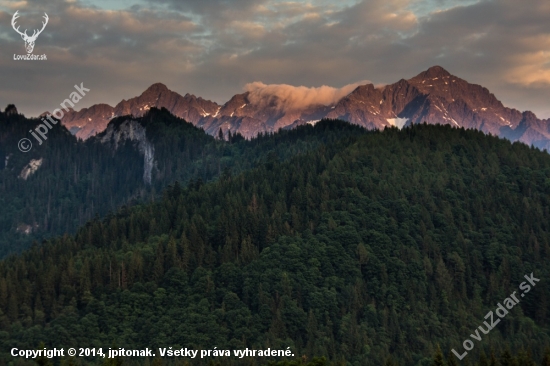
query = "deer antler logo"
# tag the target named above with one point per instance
(29, 41)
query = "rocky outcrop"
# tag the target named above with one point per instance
(26, 228)
(131, 130)
(30, 168)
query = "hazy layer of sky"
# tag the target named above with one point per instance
(215, 48)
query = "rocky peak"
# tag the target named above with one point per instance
(190, 98)
(433, 72)
(362, 90)
(529, 116)
(156, 88)
(157, 95)
(235, 105)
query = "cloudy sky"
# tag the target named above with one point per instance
(214, 48)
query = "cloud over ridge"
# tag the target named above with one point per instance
(289, 97)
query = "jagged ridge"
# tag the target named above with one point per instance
(434, 96)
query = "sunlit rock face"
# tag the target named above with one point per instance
(433, 96)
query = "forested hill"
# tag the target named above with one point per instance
(79, 180)
(385, 244)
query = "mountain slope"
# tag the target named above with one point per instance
(436, 96)
(385, 244)
(433, 96)
(63, 183)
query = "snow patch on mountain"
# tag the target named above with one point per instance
(217, 112)
(397, 122)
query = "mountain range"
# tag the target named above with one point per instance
(363, 247)
(433, 96)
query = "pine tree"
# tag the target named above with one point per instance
(493, 360)
(158, 267)
(546, 358)
(172, 257)
(525, 359)
(69, 361)
(116, 361)
(438, 357)
(43, 360)
(506, 359)
(185, 250)
(362, 254)
(483, 360)
(451, 360)
(13, 308)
